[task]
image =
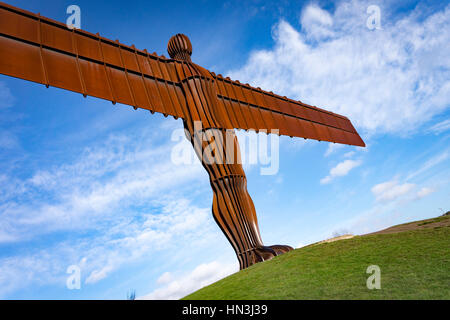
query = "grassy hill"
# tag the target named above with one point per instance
(414, 259)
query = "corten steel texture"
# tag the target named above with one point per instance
(41, 50)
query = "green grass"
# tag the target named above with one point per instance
(438, 219)
(414, 265)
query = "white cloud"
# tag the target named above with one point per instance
(391, 80)
(440, 126)
(183, 285)
(391, 190)
(341, 169)
(316, 22)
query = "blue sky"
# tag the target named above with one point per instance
(86, 183)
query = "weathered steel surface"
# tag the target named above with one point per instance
(41, 50)
(38, 49)
(232, 208)
(253, 108)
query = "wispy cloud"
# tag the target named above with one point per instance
(119, 242)
(425, 191)
(6, 97)
(124, 193)
(391, 199)
(106, 178)
(440, 126)
(332, 148)
(175, 222)
(391, 190)
(8, 139)
(429, 164)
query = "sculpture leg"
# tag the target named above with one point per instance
(233, 208)
(234, 212)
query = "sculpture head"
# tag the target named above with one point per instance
(180, 47)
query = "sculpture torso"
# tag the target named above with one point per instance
(216, 147)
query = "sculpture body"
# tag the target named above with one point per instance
(41, 50)
(232, 208)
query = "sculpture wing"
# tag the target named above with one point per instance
(45, 51)
(252, 108)
(41, 50)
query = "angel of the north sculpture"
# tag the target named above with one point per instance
(41, 50)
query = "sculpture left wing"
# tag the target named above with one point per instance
(45, 51)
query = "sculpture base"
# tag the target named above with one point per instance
(262, 253)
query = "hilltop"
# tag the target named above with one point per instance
(414, 259)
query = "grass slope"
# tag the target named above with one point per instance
(414, 263)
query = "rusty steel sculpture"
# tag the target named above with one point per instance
(41, 50)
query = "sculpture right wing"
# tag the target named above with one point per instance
(41, 50)
(252, 108)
